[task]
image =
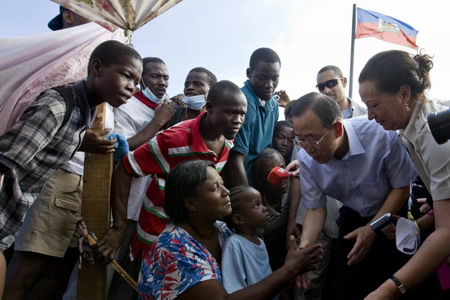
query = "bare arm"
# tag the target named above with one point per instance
(163, 114)
(235, 164)
(120, 191)
(294, 202)
(365, 235)
(430, 255)
(312, 225)
(297, 261)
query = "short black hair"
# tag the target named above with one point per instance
(265, 55)
(147, 60)
(183, 182)
(282, 123)
(267, 156)
(221, 88)
(112, 52)
(236, 200)
(337, 71)
(212, 79)
(322, 105)
(288, 109)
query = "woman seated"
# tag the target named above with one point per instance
(184, 262)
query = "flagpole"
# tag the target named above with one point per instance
(352, 52)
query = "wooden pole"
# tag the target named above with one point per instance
(96, 215)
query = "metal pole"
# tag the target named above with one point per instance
(352, 52)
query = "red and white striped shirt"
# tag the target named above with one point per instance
(162, 153)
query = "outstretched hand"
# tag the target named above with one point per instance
(364, 239)
(302, 260)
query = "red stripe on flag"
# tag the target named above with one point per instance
(372, 30)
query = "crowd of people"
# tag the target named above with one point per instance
(217, 194)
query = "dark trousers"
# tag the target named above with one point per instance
(357, 281)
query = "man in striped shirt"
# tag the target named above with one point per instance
(208, 137)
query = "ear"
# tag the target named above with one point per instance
(344, 81)
(248, 72)
(237, 219)
(190, 203)
(208, 106)
(405, 94)
(95, 67)
(67, 17)
(338, 128)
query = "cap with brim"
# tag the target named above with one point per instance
(57, 22)
(407, 236)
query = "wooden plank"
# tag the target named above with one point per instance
(96, 214)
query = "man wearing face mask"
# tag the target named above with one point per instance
(196, 87)
(138, 121)
(148, 110)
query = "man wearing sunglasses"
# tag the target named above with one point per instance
(331, 82)
(365, 167)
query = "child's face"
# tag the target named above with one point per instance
(116, 83)
(253, 212)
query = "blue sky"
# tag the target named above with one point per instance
(221, 35)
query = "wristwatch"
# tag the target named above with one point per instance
(401, 287)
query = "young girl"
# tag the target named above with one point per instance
(244, 258)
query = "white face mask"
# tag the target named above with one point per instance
(195, 102)
(149, 94)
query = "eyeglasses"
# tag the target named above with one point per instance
(329, 84)
(309, 143)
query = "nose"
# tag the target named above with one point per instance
(238, 119)
(326, 90)
(225, 191)
(131, 85)
(190, 87)
(269, 84)
(370, 114)
(163, 82)
(309, 149)
(285, 142)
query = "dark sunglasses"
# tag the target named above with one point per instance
(329, 84)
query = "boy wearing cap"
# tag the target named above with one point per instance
(41, 142)
(66, 19)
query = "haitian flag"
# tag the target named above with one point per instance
(371, 23)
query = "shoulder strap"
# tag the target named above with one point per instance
(67, 94)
